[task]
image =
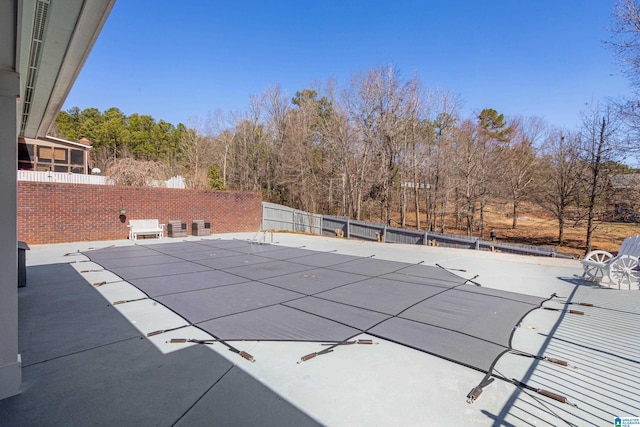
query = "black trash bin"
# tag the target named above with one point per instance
(22, 263)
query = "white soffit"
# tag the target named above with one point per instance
(55, 40)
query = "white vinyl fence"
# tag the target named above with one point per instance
(74, 178)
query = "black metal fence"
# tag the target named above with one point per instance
(278, 217)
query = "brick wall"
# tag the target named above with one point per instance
(55, 212)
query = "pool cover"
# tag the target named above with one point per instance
(237, 290)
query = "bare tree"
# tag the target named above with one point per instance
(518, 161)
(219, 129)
(298, 147)
(439, 137)
(349, 154)
(250, 154)
(601, 143)
(358, 123)
(411, 116)
(382, 86)
(196, 149)
(276, 106)
(558, 176)
(625, 38)
(379, 103)
(625, 43)
(467, 164)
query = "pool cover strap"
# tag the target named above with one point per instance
(334, 345)
(231, 348)
(475, 392)
(546, 393)
(545, 358)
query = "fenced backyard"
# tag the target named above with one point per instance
(282, 218)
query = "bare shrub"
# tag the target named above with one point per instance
(138, 173)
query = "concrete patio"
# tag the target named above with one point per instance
(87, 359)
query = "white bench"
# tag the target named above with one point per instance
(624, 268)
(145, 227)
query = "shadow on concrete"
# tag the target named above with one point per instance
(85, 364)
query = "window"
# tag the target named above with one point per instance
(45, 153)
(60, 155)
(77, 158)
(57, 159)
(25, 156)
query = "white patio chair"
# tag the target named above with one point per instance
(624, 268)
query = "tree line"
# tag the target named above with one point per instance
(381, 148)
(116, 136)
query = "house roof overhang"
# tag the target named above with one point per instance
(53, 140)
(53, 41)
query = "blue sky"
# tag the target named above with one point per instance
(176, 60)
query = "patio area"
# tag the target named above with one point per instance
(97, 320)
